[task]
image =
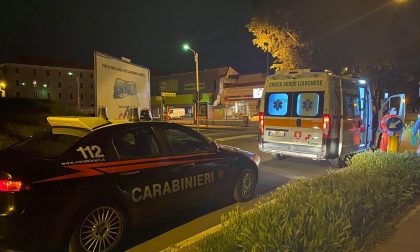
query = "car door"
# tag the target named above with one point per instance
(204, 171)
(144, 172)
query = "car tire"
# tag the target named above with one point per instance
(338, 162)
(100, 228)
(278, 156)
(245, 185)
(181, 117)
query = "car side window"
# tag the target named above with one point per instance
(183, 142)
(136, 143)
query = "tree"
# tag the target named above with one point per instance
(283, 44)
(379, 71)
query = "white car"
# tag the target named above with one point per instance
(177, 113)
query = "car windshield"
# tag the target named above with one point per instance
(50, 143)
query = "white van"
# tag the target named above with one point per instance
(176, 113)
(316, 115)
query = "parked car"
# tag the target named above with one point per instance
(177, 113)
(86, 180)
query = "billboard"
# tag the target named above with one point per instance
(120, 84)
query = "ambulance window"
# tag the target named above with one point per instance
(351, 106)
(308, 104)
(278, 104)
(136, 143)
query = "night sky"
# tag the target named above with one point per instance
(151, 33)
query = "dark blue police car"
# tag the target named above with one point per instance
(85, 181)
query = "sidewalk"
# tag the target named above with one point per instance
(406, 237)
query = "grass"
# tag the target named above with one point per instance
(345, 210)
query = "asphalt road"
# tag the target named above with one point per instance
(272, 174)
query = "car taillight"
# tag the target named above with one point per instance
(261, 120)
(10, 185)
(326, 125)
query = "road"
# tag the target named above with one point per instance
(272, 174)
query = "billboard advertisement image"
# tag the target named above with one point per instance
(120, 85)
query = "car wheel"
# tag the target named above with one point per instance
(100, 230)
(278, 156)
(181, 117)
(339, 162)
(245, 185)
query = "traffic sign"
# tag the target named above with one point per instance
(394, 124)
(165, 94)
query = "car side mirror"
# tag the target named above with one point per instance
(214, 146)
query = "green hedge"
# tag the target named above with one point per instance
(21, 118)
(344, 210)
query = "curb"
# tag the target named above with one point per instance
(192, 240)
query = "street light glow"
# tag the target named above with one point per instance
(3, 85)
(45, 85)
(400, 1)
(362, 82)
(70, 73)
(186, 47)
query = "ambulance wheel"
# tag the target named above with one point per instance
(100, 228)
(338, 162)
(245, 185)
(278, 156)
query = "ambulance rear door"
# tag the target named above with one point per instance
(293, 114)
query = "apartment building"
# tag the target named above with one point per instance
(58, 84)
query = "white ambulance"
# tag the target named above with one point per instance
(316, 115)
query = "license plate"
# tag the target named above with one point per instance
(276, 133)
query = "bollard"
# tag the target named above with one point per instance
(393, 144)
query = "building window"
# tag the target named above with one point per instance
(91, 75)
(92, 105)
(59, 74)
(81, 85)
(33, 71)
(17, 83)
(81, 75)
(71, 96)
(92, 96)
(48, 95)
(17, 95)
(81, 96)
(59, 96)
(59, 84)
(16, 70)
(48, 72)
(36, 95)
(91, 86)
(81, 105)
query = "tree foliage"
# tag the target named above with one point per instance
(283, 44)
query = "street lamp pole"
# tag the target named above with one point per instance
(197, 111)
(78, 89)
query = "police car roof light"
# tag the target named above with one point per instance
(89, 123)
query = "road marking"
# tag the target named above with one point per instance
(236, 137)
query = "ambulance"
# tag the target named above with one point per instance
(315, 114)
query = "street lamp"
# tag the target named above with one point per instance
(186, 47)
(78, 88)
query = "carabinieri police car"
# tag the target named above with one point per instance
(85, 181)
